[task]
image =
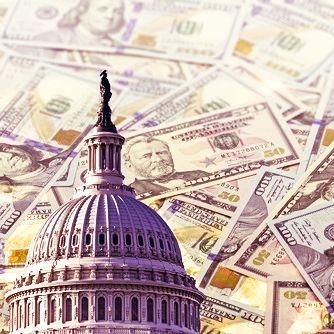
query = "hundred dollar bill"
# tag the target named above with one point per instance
(293, 308)
(269, 187)
(289, 40)
(168, 160)
(307, 237)
(130, 27)
(223, 198)
(213, 90)
(225, 318)
(196, 228)
(262, 255)
(322, 130)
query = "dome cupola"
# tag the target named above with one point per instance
(104, 262)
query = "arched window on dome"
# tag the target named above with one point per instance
(68, 309)
(88, 239)
(101, 308)
(164, 312)
(84, 309)
(118, 309)
(128, 239)
(161, 244)
(38, 312)
(134, 309)
(151, 242)
(140, 240)
(176, 314)
(62, 241)
(74, 239)
(115, 239)
(53, 310)
(102, 239)
(150, 310)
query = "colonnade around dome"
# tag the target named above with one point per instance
(76, 312)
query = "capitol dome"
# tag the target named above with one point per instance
(104, 262)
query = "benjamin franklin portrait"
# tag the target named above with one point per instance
(152, 162)
(24, 172)
(90, 23)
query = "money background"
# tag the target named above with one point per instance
(232, 100)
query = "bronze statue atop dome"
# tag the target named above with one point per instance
(104, 122)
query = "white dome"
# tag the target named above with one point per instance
(106, 225)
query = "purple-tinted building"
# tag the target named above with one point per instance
(104, 262)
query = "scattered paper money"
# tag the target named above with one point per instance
(217, 100)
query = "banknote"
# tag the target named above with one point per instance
(214, 89)
(196, 228)
(269, 187)
(225, 318)
(223, 198)
(293, 308)
(129, 27)
(262, 255)
(169, 160)
(18, 243)
(289, 40)
(288, 104)
(322, 130)
(307, 237)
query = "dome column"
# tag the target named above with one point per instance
(75, 307)
(92, 308)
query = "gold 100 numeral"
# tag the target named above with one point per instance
(295, 294)
(259, 260)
